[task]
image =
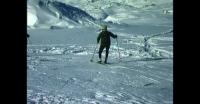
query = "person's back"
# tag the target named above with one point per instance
(105, 41)
(105, 38)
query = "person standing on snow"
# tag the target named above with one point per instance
(27, 35)
(104, 36)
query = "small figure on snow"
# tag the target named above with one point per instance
(27, 35)
(104, 36)
(146, 44)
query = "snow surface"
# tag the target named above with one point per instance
(61, 46)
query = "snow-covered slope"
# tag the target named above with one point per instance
(47, 14)
(63, 40)
(74, 13)
(60, 71)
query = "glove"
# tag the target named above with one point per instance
(115, 36)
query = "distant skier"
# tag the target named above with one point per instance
(27, 35)
(146, 44)
(105, 42)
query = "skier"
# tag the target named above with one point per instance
(105, 42)
(27, 35)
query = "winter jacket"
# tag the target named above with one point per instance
(105, 38)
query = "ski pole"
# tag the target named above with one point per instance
(118, 49)
(91, 60)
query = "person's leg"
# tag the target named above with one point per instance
(100, 51)
(107, 52)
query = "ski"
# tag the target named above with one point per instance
(102, 63)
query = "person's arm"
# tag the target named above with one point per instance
(98, 38)
(112, 35)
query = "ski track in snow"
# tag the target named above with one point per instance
(59, 70)
(50, 65)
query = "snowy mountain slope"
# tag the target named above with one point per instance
(63, 39)
(107, 3)
(70, 13)
(59, 70)
(55, 13)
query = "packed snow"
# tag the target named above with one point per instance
(63, 40)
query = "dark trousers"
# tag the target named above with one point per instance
(101, 50)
